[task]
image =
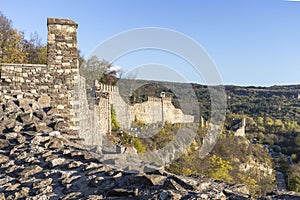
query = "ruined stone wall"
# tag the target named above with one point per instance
(102, 106)
(28, 78)
(108, 97)
(153, 111)
(123, 110)
(86, 120)
(104, 113)
(158, 110)
(56, 80)
(53, 86)
(241, 130)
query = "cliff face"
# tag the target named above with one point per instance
(39, 162)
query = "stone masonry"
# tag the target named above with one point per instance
(53, 83)
(154, 110)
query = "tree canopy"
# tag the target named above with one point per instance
(15, 48)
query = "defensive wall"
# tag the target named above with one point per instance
(59, 87)
(152, 111)
(53, 83)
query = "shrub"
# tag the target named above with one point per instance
(114, 123)
(138, 145)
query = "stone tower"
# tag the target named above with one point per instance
(62, 45)
(63, 64)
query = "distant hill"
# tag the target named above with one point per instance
(277, 102)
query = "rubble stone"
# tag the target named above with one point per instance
(30, 170)
(3, 159)
(35, 170)
(36, 163)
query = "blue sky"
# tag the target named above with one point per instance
(252, 42)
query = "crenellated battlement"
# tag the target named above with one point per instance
(156, 99)
(100, 87)
(155, 109)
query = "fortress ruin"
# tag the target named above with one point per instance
(155, 110)
(50, 84)
(58, 86)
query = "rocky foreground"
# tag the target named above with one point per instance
(39, 160)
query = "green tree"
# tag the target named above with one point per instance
(95, 69)
(114, 123)
(269, 122)
(291, 126)
(138, 145)
(109, 77)
(14, 48)
(219, 168)
(260, 121)
(36, 51)
(248, 180)
(278, 125)
(295, 183)
(294, 178)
